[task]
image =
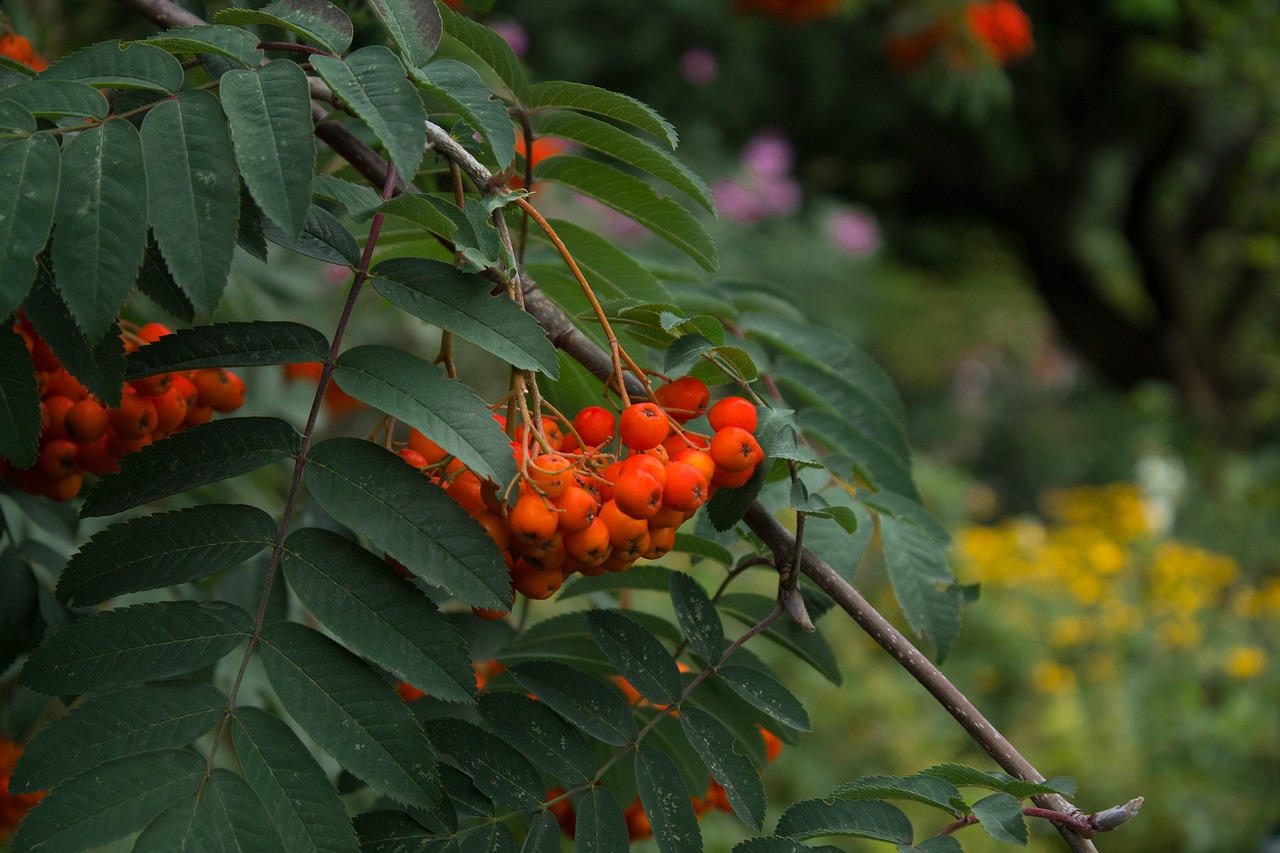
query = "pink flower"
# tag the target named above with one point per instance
(854, 232)
(699, 66)
(514, 35)
(768, 154)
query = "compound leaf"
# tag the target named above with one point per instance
(351, 713)
(372, 82)
(500, 772)
(592, 99)
(730, 767)
(637, 654)
(582, 700)
(666, 802)
(236, 344)
(857, 818)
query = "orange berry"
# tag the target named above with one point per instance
(624, 530)
(699, 459)
(17, 47)
(667, 516)
(577, 509)
(62, 382)
(64, 488)
(494, 525)
(219, 389)
(408, 692)
(134, 418)
(590, 546)
(54, 416)
(684, 399)
(734, 449)
(412, 458)
(733, 412)
(646, 463)
(465, 490)
(661, 541)
(42, 355)
(86, 421)
(638, 826)
(772, 744)
(596, 425)
(57, 459)
(551, 473)
(563, 812)
(534, 582)
(531, 520)
(430, 451)
(637, 494)
(686, 488)
(731, 479)
(96, 456)
(152, 332)
(717, 798)
(152, 386)
(643, 425)
(171, 410)
(197, 415)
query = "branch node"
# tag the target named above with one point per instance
(1116, 816)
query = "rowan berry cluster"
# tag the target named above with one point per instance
(19, 48)
(1000, 29)
(599, 493)
(80, 435)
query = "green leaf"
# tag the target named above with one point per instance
(591, 99)
(20, 425)
(1001, 816)
(700, 546)
(857, 818)
(323, 238)
(360, 200)
(139, 643)
(930, 790)
(235, 344)
(16, 119)
(304, 808)
(317, 20)
(853, 447)
(203, 454)
(164, 549)
(811, 647)
(21, 624)
(270, 115)
(396, 832)
(488, 48)
(669, 737)
(193, 193)
(843, 551)
(582, 700)
(54, 99)
(464, 796)
(777, 844)
(28, 194)
(939, 844)
(727, 506)
(698, 617)
(611, 272)
(493, 838)
(539, 735)
(109, 802)
(905, 509)
(112, 65)
(922, 583)
(730, 767)
(600, 827)
(417, 392)
(615, 142)
(414, 25)
(460, 89)
(544, 835)
(99, 367)
(632, 197)
(13, 72)
(458, 302)
(155, 282)
(141, 718)
(666, 802)
(240, 46)
(378, 614)
(428, 211)
(101, 223)
(226, 816)
(765, 692)
(637, 655)
(351, 713)
(371, 81)
(372, 491)
(969, 777)
(503, 774)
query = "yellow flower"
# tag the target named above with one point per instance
(1052, 677)
(1246, 662)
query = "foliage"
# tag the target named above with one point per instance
(145, 164)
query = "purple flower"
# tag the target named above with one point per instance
(699, 66)
(768, 154)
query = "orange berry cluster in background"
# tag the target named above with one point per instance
(13, 807)
(580, 506)
(19, 48)
(1000, 28)
(336, 401)
(796, 11)
(80, 435)
(638, 828)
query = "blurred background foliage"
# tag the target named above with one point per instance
(1058, 227)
